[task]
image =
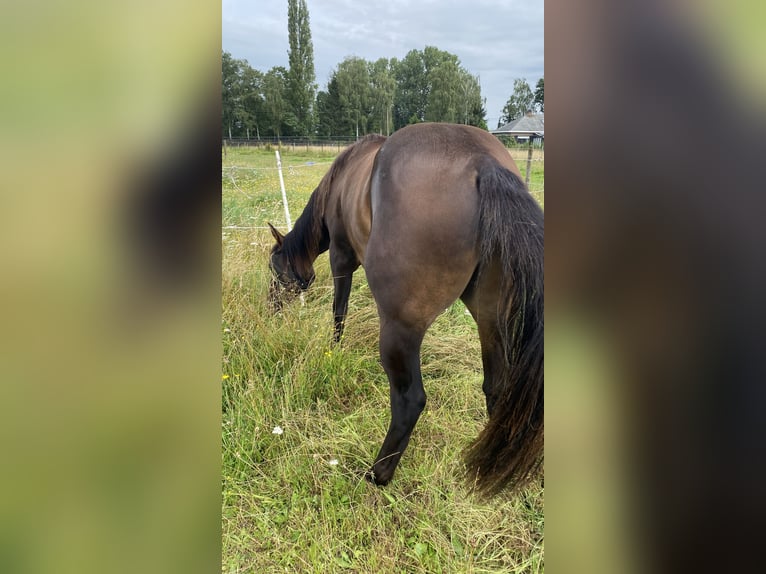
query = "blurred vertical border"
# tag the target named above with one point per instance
(109, 247)
(110, 266)
(656, 434)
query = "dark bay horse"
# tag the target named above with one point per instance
(436, 212)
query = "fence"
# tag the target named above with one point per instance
(250, 178)
(291, 143)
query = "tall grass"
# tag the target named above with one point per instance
(297, 501)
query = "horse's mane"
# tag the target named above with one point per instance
(309, 232)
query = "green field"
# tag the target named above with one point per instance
(296, 501)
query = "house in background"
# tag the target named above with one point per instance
(527, 128)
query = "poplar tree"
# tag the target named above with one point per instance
(301, 80)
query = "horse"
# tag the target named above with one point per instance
(433, 213)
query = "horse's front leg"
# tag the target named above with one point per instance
(343, 263)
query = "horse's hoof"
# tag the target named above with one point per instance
(375, 479)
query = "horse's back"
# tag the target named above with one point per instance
(423, 244)
(348, 214)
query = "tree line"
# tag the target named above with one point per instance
(360, 97)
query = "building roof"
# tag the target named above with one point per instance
(530, 124)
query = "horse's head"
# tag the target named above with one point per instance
(288, 278)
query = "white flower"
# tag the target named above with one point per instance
(333, 462)
(277, 430)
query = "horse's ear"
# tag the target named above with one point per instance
(277, 235)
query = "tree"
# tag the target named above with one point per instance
(328, 110)
(411, 90)
(301, 84)
(242, 103)
(432, 86)
(233, 112)
(353, 80)
(520, 102)
(444, 93)
(229, 85)
(472, 110)
(382, 90)
(274, 88)
(540, 94)
(251, 107)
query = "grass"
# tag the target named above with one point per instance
(296, 501)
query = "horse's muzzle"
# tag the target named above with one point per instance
(280, 294)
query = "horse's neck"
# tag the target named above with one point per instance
(306, 241)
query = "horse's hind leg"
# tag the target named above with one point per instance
(480, 297)
(493, 362)
(400, 355)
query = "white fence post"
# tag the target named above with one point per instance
(284, 201)
(284, 194)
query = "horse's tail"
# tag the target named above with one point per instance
(509, 449)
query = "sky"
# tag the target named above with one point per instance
(499, 40)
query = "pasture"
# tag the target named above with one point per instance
(296, 500)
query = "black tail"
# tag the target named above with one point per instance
(510, 448)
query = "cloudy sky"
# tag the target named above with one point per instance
(499, 40)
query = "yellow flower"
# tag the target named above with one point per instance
(223, 378)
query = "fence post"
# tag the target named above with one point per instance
(284, 201)
(284, 193)
(529, 161)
